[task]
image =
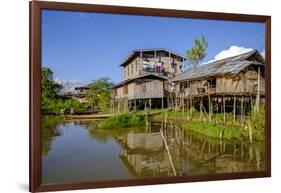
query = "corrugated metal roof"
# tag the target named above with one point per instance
(134, 52)
(232, 65)
(139, 77)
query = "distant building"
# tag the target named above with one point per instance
(80, 94)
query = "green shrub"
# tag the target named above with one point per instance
(123, 121)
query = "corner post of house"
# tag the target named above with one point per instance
(210, 102)
(155, 57)
(170, 58)
(150, 104)
(162, 103)
(258, 91)
(140, 61)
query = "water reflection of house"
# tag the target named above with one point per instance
(146, 141)
(145, 78)
(145, 155)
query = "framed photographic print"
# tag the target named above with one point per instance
(123, 96)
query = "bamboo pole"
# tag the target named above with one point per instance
(168, 151)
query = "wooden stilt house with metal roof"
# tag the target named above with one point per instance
(223, 85)
(145, 73)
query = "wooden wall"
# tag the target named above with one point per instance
(135, 67)
(148, 89)
(141, 89)
(246, 81)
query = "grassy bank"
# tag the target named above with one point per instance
(123, 121)
(252, 128)
(216, 130)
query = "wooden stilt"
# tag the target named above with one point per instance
(113, 106)
(182, 105)
(135, 105)
(234, 109)
(145, 104)
(242, 109)
(223, 98)
(201, 103)
(210, 107)
(168, 101)
(258, 91)
(150, 104)
(162, 103)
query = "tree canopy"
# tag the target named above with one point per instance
(99, 93)
(198, 52)
(49, 88)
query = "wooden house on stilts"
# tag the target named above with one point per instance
(231, 85)
(146, 74)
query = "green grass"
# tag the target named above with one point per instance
(216, 126)
(215, 130)
(123, 121)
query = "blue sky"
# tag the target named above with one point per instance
(86, 46)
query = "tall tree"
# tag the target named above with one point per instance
(49, 88)
(99, 93)
(198, 52)
(49, 91)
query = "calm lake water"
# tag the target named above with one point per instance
(78, 151)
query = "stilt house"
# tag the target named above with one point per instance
(235, 79)
(145, 73)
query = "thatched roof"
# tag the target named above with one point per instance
(137, 52)
(148, 76)
(232, 65)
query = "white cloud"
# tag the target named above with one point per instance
(232, 51)
(263, 53)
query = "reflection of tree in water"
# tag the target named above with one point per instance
(50, 129)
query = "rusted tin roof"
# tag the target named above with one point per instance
(232, 65)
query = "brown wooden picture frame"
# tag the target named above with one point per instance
(35, 77)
